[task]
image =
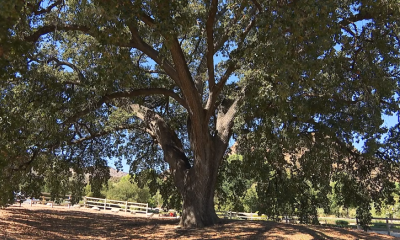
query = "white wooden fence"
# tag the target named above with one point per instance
(389, 223)
(238, 215)
(108, 204)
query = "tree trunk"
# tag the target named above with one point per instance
(195, 183)
(198, 197)
(200, 180)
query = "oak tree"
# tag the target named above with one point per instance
(168, 84)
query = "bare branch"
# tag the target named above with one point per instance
(72, 82)
(247, 30)
(36, 11)
(139, 59)
(228, 31)
(180, 72)
(202, 66)
(101, 133)
(148, 92)
(68, 64)
(155, 72)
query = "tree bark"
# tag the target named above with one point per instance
(199, 183)
(195, 183)
(198, 195)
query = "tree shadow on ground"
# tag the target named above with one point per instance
(237, 229)
(26, 223)
(74, 224)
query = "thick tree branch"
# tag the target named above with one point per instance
(221, 40)
(51, 28)
(355, 18)
(224, 124)
(126, 94)
(138, 43)
(25, 165)
(168, 141)
(185, 79)
(225, 120)
(213, 96)
(202, 66)
(210, 43)
(148, 20)
(199, 130)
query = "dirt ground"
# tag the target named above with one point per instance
(44, 222)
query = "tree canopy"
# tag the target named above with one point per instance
(166, 85)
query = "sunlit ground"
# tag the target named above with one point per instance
(43, 222)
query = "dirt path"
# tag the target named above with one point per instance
(42, 222)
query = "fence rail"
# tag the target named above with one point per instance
(388, 224)
(114, 205)
(238, 215)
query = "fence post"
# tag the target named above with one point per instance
(147, 208)
(358, 226)
(387, 225)
(126, 206)
(105, 203)
(84, 201)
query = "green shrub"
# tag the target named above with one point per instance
(342, 223)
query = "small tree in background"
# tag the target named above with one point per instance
(126, 190)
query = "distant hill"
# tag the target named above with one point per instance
(114, 173)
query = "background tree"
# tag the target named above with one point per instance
(125, 190)
(161, 82)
